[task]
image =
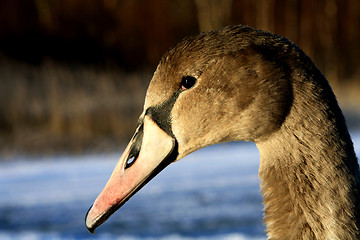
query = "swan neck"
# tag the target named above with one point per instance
(310, 179)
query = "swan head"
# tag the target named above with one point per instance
(228, 85)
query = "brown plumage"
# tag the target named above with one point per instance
(251, 86)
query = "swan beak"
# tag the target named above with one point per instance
(150, 150)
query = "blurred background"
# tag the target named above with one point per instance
(74, 73)
(73, 77)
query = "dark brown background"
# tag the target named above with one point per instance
(74, 72)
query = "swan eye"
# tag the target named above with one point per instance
(187, 82)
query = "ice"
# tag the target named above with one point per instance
(211, 194)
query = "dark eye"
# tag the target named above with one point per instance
(187, 82)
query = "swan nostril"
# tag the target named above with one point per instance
(130, 162)
(135, 147)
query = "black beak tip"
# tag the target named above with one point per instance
(92, 228)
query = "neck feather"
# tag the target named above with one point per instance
(309, 173)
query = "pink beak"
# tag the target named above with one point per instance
(149, 151)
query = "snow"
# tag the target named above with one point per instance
(211, 194)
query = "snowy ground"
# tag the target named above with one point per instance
(211, 194)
